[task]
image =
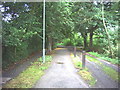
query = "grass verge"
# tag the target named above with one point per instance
(113, 61)
(84, 73)
(93, 60)
(28, 78)
(108, 70)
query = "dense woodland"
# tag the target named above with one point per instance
(91, 25)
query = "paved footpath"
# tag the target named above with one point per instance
(61, 73)
(12, 73)
(103, 80)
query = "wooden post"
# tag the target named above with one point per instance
(74, 51)
(83, 59)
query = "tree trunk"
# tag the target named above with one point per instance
(85, 42)
(84, 35)
(49, 44)
(91, 40)
(53, 43)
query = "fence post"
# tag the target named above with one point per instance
(74, 51)
(83, 59)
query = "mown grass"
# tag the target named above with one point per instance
(113, 61)
(93, 60)
(108, 70)
(87, 76)
(111, 72)
(28, 78)
(84, 73)
(77, 62)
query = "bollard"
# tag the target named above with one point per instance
(83, 59)
(74, 51)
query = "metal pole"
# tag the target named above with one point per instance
(44, 31)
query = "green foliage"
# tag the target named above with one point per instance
(43, 68)
(47, 58)
(72, 23)
(95, 53)
(101, 45)
(90, 22)
(40, 59)
(59, 44)
(14, 54)
(74, 40)
(67, 42)
(21, 33)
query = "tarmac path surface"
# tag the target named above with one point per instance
(103, 80)
(61, 73)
